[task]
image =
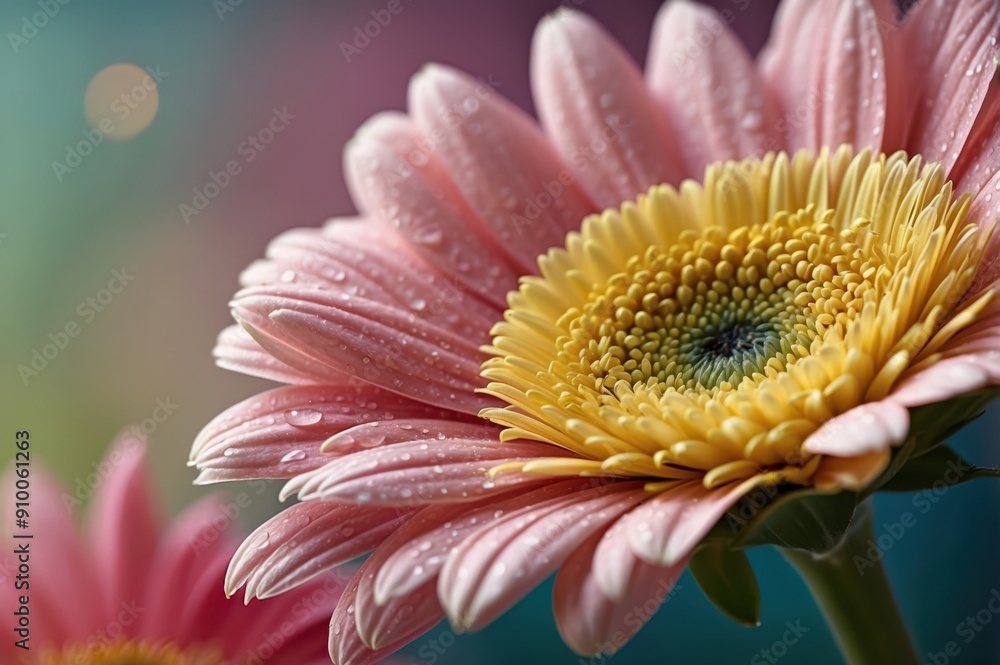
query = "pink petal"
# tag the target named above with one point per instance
(592, 623)
(983, 334)
(124, 525)
(853, 80)
(790, 64)
(389, 347)
(502, 163)
(346, 646)
(278, 434)
(237, 351)
(827, 63)
(955, 64)
(593, 103)
(979, 160)
(402, 430)
(369, 260)
(337, 258)
(386, 433)
(948, 378)
(247, 634)
(715, 93)
(422, 472)
(850, 473)
(500, 563)
(299, 357)
(204, 607)
(665, 529)
(396, 599)
(398, 620)
(899, 75)
(415, 554)
(305, 540)
(301, 618)
(69, 598)
(614, 563)
(396, 174)
(864, 429)
(985, 211)
(190, 545)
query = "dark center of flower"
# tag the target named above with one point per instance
(735, 347)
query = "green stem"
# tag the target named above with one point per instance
(854, 594)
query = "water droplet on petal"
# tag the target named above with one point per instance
(294, 456)
(303, 417)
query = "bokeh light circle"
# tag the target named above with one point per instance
(121, 100)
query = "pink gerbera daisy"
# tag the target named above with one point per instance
(133, 590)
(493, 380)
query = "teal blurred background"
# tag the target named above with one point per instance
(225, 68)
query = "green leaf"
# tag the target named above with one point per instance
(933, 424)
(937, 468)
(930, 427)
(727, 579)
(807, 519)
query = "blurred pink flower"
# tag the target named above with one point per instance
(133, 589)
(628, 397)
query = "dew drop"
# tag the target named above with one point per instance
(303, 417)
(294, 456)
(428, 235)
(751, 121)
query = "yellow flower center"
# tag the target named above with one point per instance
(131, 652)
(706, 332)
